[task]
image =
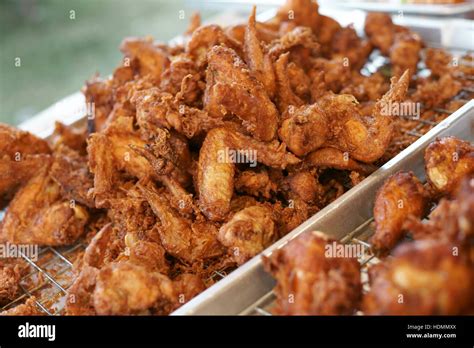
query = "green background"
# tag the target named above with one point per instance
(58, 53)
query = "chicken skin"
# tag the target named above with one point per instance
(15, 143)
(232, 89)
(426, 277)
(39, 215)
(124, 288)
(10, 275)
(21, 155)
(259, 63)
(182, 239)
(311, 283)
(447, 161)
(402, 195)
(452, 219)
(216, 168)
(305, 129)
(248, 232)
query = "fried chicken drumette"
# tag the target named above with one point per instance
(309, 282)
(401, 196)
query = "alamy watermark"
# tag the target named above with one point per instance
(9, 250)
(335, 250)
(228, 155)
(404, 109)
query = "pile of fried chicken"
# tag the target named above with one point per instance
(431, 274)
(151, 184)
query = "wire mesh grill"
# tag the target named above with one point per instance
(52, 274)
(359, 236)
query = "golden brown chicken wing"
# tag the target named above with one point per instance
(309, 282)
(79, 300)
(221, 149)
(405, 53)
(16, 143)
(426, 277)
(14, 174)
(181, 238)
(70, 170)
(123, 288)
(248, 232)
(38, 214)
(153, 60)
(231, 89)
(402, 195)
(447, 161)
(259, 63)
(304, 129)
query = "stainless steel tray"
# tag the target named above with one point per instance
(249, 284)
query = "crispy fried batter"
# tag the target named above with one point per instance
(39, 215)
(232, 89)
(402, 195)
(447, 161)
(423, 278)
(248, 232)
(311, 283)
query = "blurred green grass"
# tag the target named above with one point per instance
(58, 53)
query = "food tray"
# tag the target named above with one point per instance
(248, 290)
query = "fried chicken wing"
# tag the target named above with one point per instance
(123, 288)
(312, 283)
(79, 297)
(346, 43)
(329, 157)
(304, 129)
(216, 168)
(187, 241)
(402, 195)
(248, 233)
(70, 170)
(405, 53)
(365, 139)
(232, 89)
(447, 161)
(259, 63)
(255, 183)
(152, 59)
(423, 278)
(16, 143)
(303, 12)
(438, 61)
(39, 215)
(14, 174)
(379, 29)
(286, 97)
(206, 37)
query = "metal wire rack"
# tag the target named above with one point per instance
(359, 236)
(52, 274)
